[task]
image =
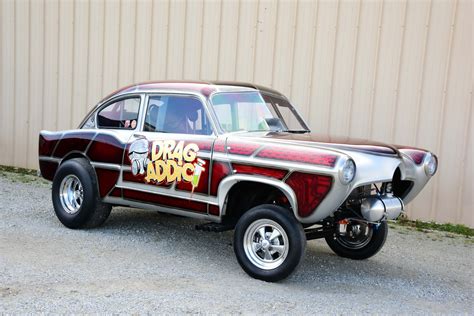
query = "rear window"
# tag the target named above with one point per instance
(122, 114)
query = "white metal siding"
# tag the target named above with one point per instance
(396, 71)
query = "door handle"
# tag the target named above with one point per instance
(139, 135)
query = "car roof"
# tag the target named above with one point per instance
(204, 87)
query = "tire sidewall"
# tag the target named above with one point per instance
(296, 241)
(78, 168)
(379, 236)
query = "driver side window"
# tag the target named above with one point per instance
(176, 114)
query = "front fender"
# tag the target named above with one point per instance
(228, 182)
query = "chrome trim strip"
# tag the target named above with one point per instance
(90, 143)
(163, 209)
(103, 165)
(51, 159)
(57, 143)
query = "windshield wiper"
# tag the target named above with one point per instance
(297, 131)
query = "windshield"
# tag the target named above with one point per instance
(252, 111)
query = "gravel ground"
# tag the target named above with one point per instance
(146, 262)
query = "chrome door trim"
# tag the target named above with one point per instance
(163, 209)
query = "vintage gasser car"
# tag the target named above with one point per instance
(239, 156)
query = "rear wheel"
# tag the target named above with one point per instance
(75, 195)
(360, 241)
(269, 242)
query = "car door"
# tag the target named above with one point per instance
(167, 163)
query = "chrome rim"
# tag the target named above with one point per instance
(71, 194)
(358, 235)
(266, 244)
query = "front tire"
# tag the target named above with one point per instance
(269, 242)
(369, 240)
(75, 195)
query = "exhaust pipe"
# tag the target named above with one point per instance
(376, 208)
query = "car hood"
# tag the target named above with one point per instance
(324, 141)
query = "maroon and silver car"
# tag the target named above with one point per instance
(239, 156)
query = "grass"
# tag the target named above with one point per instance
(23, 171)
(448, 227)
(21, 175)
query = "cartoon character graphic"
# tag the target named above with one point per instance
(138, 154)
(198, 169)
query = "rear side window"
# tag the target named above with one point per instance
(122, 114)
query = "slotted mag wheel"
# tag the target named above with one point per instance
(71, 194)
(266, 244)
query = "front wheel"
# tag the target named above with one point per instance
(360, 241)
(269, 242)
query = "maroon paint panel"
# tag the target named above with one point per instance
(48, 169)
(165, 200)
(219, 146)
(204, 145)
(310, 190)
(309, 156)
(415, 154)
(241, 148)
(203, 185)
(220, 170)
(106, 148)
(47, 143)
(73, 142)
(263, 171)
(214, 210)
(107, 180)
(116, 192)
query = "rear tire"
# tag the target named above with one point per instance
(75, 195)
(269, 242)
(362, 248)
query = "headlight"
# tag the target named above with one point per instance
(431, 164)
(347, 172)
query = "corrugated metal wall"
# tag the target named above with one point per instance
(396, 71)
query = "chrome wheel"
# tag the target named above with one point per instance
(357, 236)
(71, 194)
(266, 244)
